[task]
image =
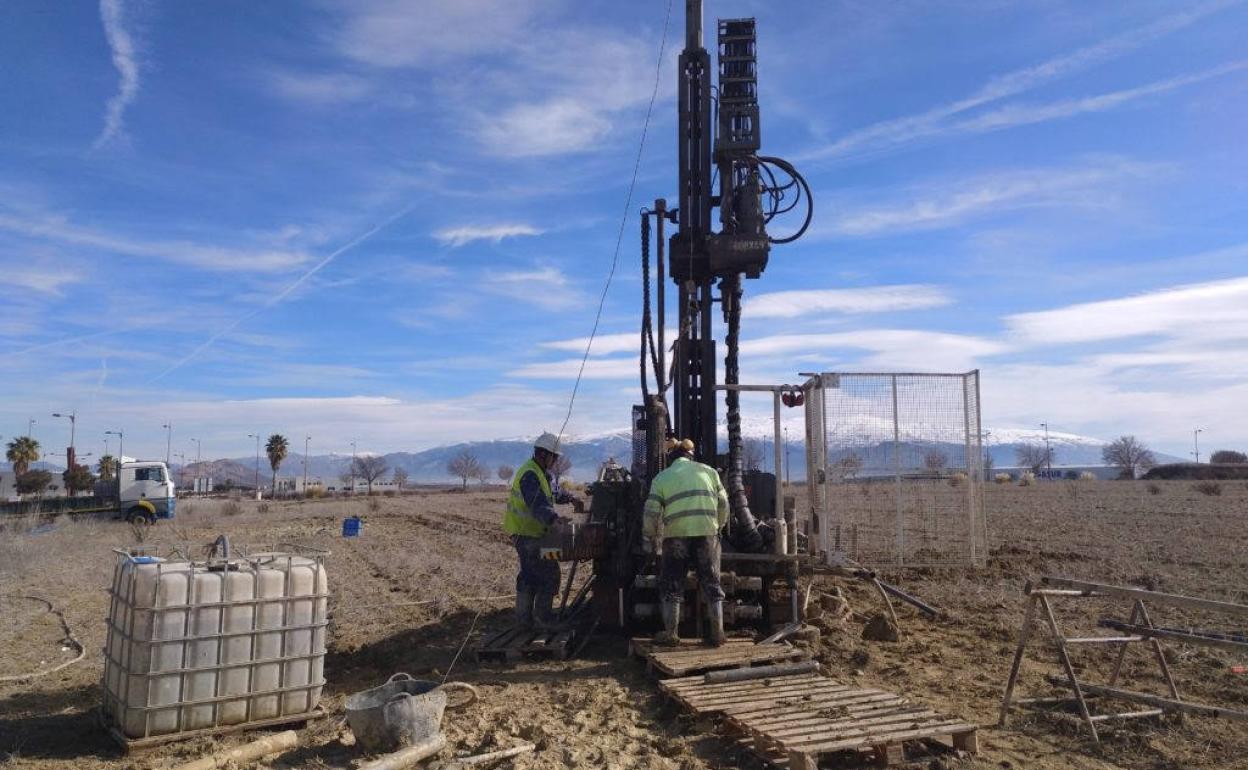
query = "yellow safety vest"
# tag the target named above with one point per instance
(518, 519)
(689, 499)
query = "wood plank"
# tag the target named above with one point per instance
(847, 713)
(857, 704)
(828, 724)
(788, 694)
(796, 688)
(694, 684)
(818, 746)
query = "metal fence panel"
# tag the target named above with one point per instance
(895, 467)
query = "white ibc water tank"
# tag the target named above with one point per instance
(203, 645)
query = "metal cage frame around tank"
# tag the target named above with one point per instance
(115, 706)
(893, 509)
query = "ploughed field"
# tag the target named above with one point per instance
(425, 573)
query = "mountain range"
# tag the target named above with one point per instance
(589, 452)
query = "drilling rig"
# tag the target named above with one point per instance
(721, 177)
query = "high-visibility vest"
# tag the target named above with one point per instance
(518, 519)
(690, 499)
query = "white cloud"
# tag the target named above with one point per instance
(321, 88)
(39, 278)
(604, 344)
(402, 33)
(869, 299)
(495, 233)
(595, 369)
(121, 47)
(1090, 185)
(890, 349)
(56, 229)
(934, 122)
(1214, 310)
(1013, 115)
(547, 288)
(551, 127)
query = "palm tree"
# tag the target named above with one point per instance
(276, 448)
(22, 451)
(108, 467)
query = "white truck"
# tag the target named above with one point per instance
(142, 492)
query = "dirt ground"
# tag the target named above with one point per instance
(407, 594)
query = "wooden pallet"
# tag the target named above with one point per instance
(806, 717)
(514, 644)
(139, 745)
(642, 646)
(682, 662)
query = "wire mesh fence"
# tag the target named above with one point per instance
(895, 468)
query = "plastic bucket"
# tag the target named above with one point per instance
(401, 712)
(351, 526)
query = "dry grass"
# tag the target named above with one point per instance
(601, 710)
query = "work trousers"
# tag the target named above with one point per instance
(537, 575)
(679, 553)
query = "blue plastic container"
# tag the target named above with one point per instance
(351, 526)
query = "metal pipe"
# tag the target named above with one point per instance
(693, 24)
(781, 542)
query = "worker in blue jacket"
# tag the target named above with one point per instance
(529, 515)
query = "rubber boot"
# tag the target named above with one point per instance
(670, 635)
(715, 616)
(524, 608)
(544, 612)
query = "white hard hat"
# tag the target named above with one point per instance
(549, 442)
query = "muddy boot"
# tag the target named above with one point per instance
(715, 616)
(544, 612)
(524, 608)
(670, 635)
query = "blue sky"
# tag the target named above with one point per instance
(391, 221)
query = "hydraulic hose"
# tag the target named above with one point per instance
(745, 534)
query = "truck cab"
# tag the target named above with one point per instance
(145, 491)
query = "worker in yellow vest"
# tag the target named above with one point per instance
(529, 515)
(686, 508)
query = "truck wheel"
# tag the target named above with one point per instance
(139, 516)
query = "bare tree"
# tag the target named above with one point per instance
(464, 466)
(400, 478)
(1129, 455)
(505, 472)
(1228, 457)
(850, 465)
(935, 460)
(1033, 456)
(752, 454)
(482, 475)
(370, 468)
(560, 467)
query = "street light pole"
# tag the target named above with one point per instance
(256, 436)
(121, 445)
(73, 423)
(168, 440)
(1048, 453)
(1196, 442)
(30, 426)
(306, 439)
(353, 467)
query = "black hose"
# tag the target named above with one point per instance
(745, 535)
(787, 168)
(645, 301)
